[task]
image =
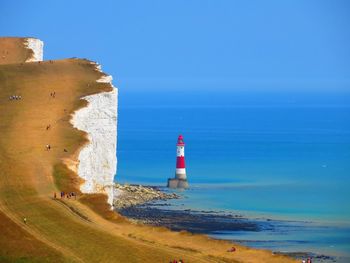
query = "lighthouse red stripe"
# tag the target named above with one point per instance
(180, 162)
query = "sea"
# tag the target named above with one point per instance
(261, 154)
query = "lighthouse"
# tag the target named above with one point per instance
(180, 180)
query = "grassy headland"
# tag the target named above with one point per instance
(82, 230)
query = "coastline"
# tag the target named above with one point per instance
(82, 230)
(216, 224)
(127, 196)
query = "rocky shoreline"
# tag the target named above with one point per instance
(210, 222)
(132, 195)
(303, 255)
(137, 203)
(189, 220)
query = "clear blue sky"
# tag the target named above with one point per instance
(295, 44)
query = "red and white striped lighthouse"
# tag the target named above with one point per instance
(180, 180)
(180, 159)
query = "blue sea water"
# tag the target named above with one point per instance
(262, 154)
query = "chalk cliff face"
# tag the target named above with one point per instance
(36, 45)
(97, 160)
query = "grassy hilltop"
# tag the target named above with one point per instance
(13, 50)
(82, 230)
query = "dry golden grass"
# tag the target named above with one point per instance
(81, 230)
(18, 244)
(12, 50)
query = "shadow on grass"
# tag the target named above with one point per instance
(65, 179)
(98, 203)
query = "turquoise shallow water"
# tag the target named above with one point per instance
(265, 154)
(296, 228)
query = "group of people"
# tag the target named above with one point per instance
(309, 260)
(48, 148)
(50, 61)
(15, 97)
(67, 195)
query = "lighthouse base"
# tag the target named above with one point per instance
(175, 183)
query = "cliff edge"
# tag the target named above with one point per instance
(20, 50)
(97, 160)
(37, 48)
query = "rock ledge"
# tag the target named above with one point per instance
(131, 195)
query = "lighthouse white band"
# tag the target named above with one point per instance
(180, 151)
(180, 171)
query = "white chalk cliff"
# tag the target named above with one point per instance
(97, 160)
(37, 46)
